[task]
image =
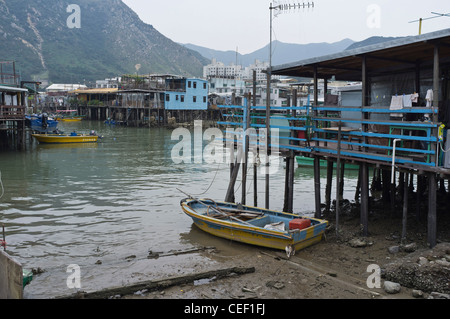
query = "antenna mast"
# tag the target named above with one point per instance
(437, 15)
(276, 8)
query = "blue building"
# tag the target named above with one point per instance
(186, 94)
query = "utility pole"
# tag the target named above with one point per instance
(278, 9)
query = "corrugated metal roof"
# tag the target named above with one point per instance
(12, 89)
(96, 91)
(65, 87)
(404, 53)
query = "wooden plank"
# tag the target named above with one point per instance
(157, 285)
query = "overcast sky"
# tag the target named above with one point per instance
(244, 24)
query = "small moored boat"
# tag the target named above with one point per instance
(304, 161)
(62, 139)
(256, 226)
(72, 119)
(41, 123)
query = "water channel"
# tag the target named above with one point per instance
(104, 206)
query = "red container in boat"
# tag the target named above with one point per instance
(299, 223)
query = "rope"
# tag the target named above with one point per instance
(214, 179)
(1, 184)
(442, 149)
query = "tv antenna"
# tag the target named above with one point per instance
(280, 7)
(276, 8)
(436, 15)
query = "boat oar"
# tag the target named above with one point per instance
(217, 210)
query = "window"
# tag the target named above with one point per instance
(195, 99)
(195, 85)
(167, 98)
(182, 98)
(189, 84)
(204, 99)
(176, 97)
(204, 86)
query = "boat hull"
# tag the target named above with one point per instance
(36, 124)
(255, 234)
(71, 120)
(309, 162)
(63, 139)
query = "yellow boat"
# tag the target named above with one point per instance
(72, 119)
(255, 226)
(62, 139)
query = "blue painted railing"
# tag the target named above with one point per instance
(311, 130)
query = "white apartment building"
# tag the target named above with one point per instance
(220, 70)
(260, 68)
(108, 83)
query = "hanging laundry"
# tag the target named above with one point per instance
(415, 98)
(429, 98)
(407, 101)
(396, 104)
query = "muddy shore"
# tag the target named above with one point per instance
(339, 267)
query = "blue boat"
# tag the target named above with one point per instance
(110, 122)
(41, 123)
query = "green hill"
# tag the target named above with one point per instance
(110, 42)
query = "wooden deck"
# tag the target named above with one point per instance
(12, 112)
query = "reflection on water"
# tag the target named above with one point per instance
(94, 205)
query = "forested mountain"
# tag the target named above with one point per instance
(56, 41)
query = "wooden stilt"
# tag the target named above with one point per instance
(432, 210)
(405, 206)
(230, 196)
(329, 186)
(286, 184)
(255, 164)
(419, 195)
(338, 178)
(393, 192)
(341, 186)
(246, 150)
(401, 184)
(386, 182)
(376, 182)
(291, 182)
(230, 192)
(255, 182)
(365, 198)
(358, 185)
(317, 186)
